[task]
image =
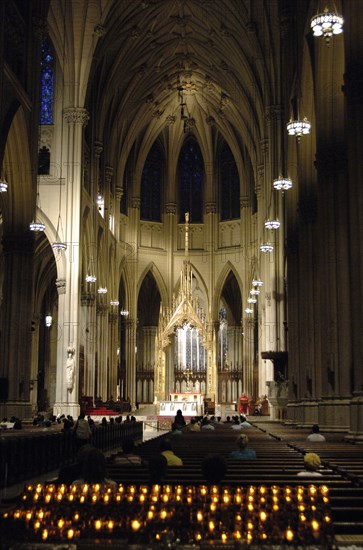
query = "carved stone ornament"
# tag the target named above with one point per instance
(99, 30)
(170, 120)
(76, 115)
(61, 286)
(170, 208)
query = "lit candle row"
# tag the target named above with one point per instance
(188, 513)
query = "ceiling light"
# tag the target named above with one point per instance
(272, 224)
(327, 24)
(267, 247)
(282, 183)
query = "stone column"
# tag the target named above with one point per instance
(212, 377)
(101, 345)
(88, 341)
(170, 227)
(353, 90)
(112, 354)
(17, 324)
(131, 361)
(67, 399)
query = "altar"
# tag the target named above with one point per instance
(190, 403)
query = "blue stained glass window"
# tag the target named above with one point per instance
(229, 185)
(46, 82)
(191, 178)
(150, 208)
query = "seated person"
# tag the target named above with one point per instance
(228, 420)
(206, 425)
(244, 423)
(179, 419)
(128, 457)
(166, 450)
(94, 470)
(214, 468)
(312, 464)
(194, 425)
(242, 451)
(236, 423)
(315, 434)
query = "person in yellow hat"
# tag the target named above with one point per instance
(312, 464)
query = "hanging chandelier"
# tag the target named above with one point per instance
(327, 24)
(102, 290)
(257, 282)
(91, 278)
(114, 303)
(298, 128)
(272, 224)
(124, 313)
(3, 185)
(266, 247)
(36, 226)
(255, 291)
(48, 321)
(248, 310)
(282, 184)
(251, 300)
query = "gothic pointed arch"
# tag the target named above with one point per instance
(229, 184)
(228, 274)
(191, 181)
(153, 269)
(152, 184)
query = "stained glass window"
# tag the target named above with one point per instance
(191, 178)
(46, 82)
(229, 184)
(150, 208)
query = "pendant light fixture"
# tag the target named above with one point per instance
(3, 185)
(327, 24)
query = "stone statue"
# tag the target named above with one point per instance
(70, 368)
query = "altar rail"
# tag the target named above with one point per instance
(27, 454)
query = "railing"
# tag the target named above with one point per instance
(28, 455)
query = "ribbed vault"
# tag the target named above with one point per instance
(155, 56)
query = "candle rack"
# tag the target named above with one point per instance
(173, 514)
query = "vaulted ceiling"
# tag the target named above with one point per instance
(183, 64)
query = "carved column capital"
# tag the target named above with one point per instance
(97, 148)
(87, 299)
(244, 202)
(118, 192)
(108, 174)
(76, 115)
(210, 208)
(170, 208)
(61, 286)
(135, 202)
(101, 309)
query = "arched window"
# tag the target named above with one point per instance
(191, 177)
(228, 185)
(46, 82)
(150, 208)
